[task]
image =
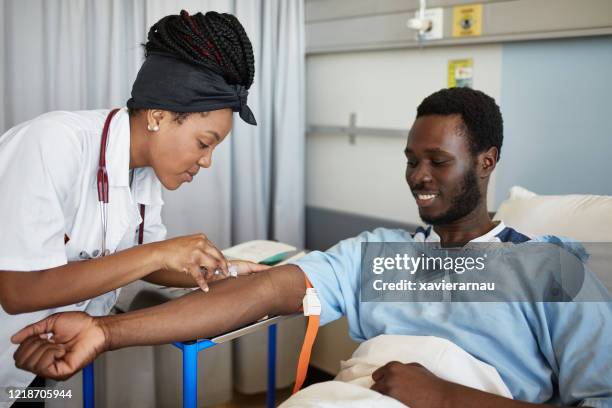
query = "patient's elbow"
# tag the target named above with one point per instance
(288, 288)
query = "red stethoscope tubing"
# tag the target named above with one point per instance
(102, 176)
(102, 183)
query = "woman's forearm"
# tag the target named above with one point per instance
(22, 292)
(230, 304)
(168, 278)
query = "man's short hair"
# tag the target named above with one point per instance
(484, 126)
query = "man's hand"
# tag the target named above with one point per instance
(412, 384)
(417, 387)
(77, 339)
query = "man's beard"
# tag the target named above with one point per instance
(462, 204)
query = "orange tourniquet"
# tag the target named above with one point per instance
(309, 338)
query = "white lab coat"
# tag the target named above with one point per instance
(48, 189)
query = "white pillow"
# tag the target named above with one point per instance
(586, 218)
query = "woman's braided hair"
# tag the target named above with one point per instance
(213, 40)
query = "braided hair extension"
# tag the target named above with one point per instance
(213, 40)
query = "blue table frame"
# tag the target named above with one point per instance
(190, 350)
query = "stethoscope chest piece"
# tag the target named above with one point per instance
(95, 254)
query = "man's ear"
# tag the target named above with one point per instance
(487, 161)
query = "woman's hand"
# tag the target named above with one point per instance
(77, 339)
(194, 255)
(236, 267)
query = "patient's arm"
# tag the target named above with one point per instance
(414, 385)
(231, 303)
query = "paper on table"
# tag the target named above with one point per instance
(257, 251)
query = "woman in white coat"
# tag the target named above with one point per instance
(80, 190)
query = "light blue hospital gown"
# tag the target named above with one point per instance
(556, 353)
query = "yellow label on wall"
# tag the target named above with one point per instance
(460, 73)
(467, 20)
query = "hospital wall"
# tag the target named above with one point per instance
(557, 109)
(554, 96)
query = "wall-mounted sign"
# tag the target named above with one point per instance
(467, 20)
(460, 73)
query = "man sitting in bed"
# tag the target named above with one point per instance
(545, 352)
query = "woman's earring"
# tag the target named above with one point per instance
(153, 128)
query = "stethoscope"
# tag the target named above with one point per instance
(102, 185)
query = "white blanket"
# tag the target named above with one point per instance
(351, 387)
